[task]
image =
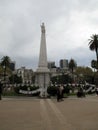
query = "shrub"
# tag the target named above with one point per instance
(67, 89)
(16, 89)
(52, 90)
(34, 88)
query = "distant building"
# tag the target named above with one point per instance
(63, 64)
(26, 75)
(52, 67)
(51, 64)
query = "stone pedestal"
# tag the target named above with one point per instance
(43, 80)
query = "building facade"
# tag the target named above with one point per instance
(51, 64)
(26, 75)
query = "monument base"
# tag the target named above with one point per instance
(43, 80)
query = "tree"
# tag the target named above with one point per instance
(15, 79)
(93, 44)
(72, 65)
(94, 64)
(84, 74)
(83, 70)
(61, 79)
(1, 70)
(5, 61)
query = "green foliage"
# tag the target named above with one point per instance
(94, 64)
(16, 89)
(72, 65)
(5, 61)
(24, 87)
(93, 45)
(67, 89)
(52, 90)
(1, 70)
(96, 78)
(61, 79)
(10, 93)
(34, 88)
(83, 70)
(84, 74)
(15, 79)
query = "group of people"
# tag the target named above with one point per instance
(60, 92)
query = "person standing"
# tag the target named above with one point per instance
(58, 93)
(61, 92)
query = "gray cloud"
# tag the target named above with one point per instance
(69, 25)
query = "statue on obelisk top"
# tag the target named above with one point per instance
(42, 72)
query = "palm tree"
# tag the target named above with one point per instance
(94, 64)
(5, 62)
(93, 44)
(72, 65)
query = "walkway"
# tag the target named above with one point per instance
(48, 114)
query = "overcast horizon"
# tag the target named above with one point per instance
(69, 24)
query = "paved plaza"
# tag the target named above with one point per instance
(47, 114)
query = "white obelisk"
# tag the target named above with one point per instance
(42, 72)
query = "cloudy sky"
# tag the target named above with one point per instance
(69, 24)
